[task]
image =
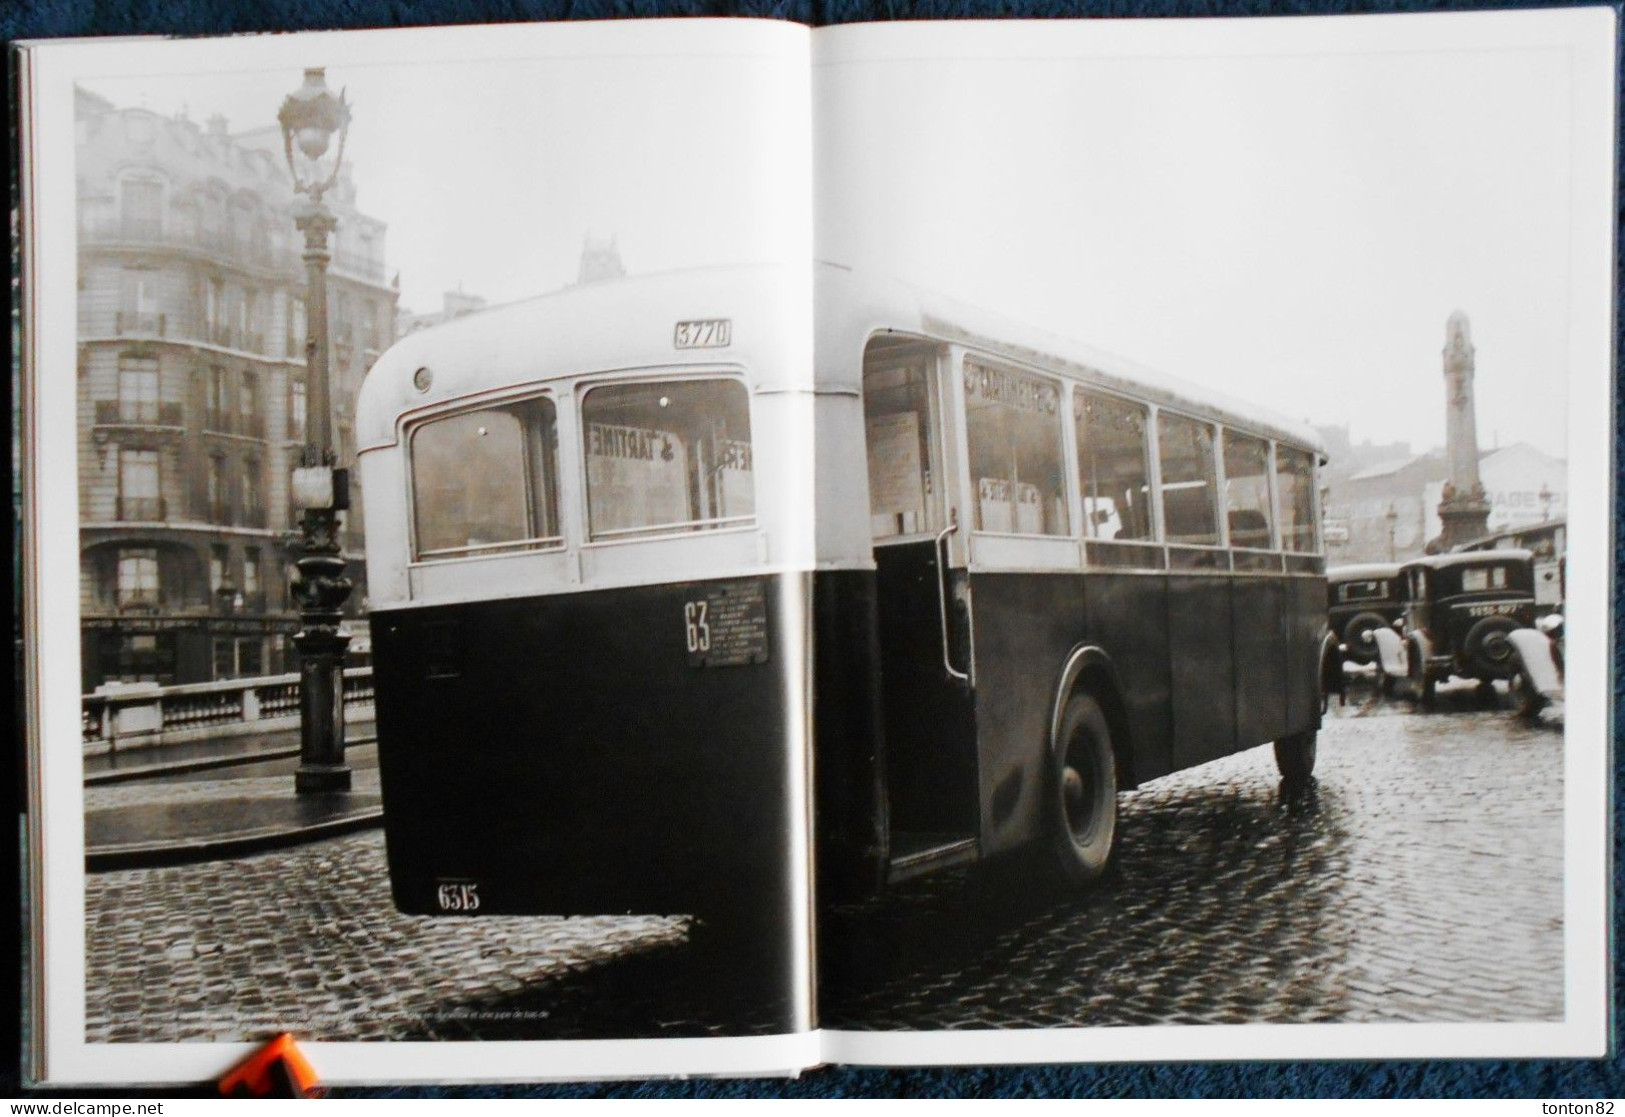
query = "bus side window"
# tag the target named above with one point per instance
(1295, 482)
(1017, 470)
(1247, 490)
(1114, 470)
(900, 434)
(1189, 480)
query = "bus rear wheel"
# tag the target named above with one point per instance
(1084, 791)
(1295, 757)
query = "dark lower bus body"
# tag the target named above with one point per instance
(918, 769)
(575, 754)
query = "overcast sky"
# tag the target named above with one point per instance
(490, 174)
(1294, 231)
(1289, 230)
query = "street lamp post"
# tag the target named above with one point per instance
(1393, 523)
(309, 118)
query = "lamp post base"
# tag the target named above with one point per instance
(312, 779)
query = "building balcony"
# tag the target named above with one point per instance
(362, 267)
(243, 249)
(138, 413)
(131, 323)
(141, 509)
(234, 423)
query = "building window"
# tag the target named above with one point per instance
(141, 202)
(214, 311)
(253, 504)
(138, 313)
(297, 413)
(218, 558)
(138, 578)
(138, 389)
(219, 409)
(138, 484)
(251, 571)
(248, 403)
(217, 489)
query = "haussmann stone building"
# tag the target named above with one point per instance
(192, 400)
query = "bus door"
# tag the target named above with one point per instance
(926, 704)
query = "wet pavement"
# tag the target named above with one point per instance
(1421, 881)
(219, 812)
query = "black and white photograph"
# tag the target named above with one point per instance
(1218, 485)
(886, 544)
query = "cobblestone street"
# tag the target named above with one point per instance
(1422, 881)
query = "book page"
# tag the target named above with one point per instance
(421, 545)
(1213, 440)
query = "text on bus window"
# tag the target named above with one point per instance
(899, 432)
(669, 456)
(1013, 428)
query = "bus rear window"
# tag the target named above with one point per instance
(672, 456)
(484, 481)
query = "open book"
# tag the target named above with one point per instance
(631, 549)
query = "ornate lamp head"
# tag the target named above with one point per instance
(309, 117)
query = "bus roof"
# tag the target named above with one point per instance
(853, 304)
(596, 327)
(630, 323)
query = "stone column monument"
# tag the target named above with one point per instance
(1464, 512)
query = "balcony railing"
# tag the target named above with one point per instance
(138, 413)
(141, 509)
(234, 422)
(243, 248)
(132, 323)
(354, 263)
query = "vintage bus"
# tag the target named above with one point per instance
(656, 565)
(1057, 575)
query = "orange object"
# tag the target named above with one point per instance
(277, 1070)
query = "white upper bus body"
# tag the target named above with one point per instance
(748, 325)
(853, 309)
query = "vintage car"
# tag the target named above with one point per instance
(1471, 615)
(1361, 599)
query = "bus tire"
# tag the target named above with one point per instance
(1295, 758)
(1083, 791)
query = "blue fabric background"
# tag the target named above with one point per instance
(1550, 1079)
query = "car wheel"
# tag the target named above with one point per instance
(1295, 757)
(1083, 795)
(1360, 650)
